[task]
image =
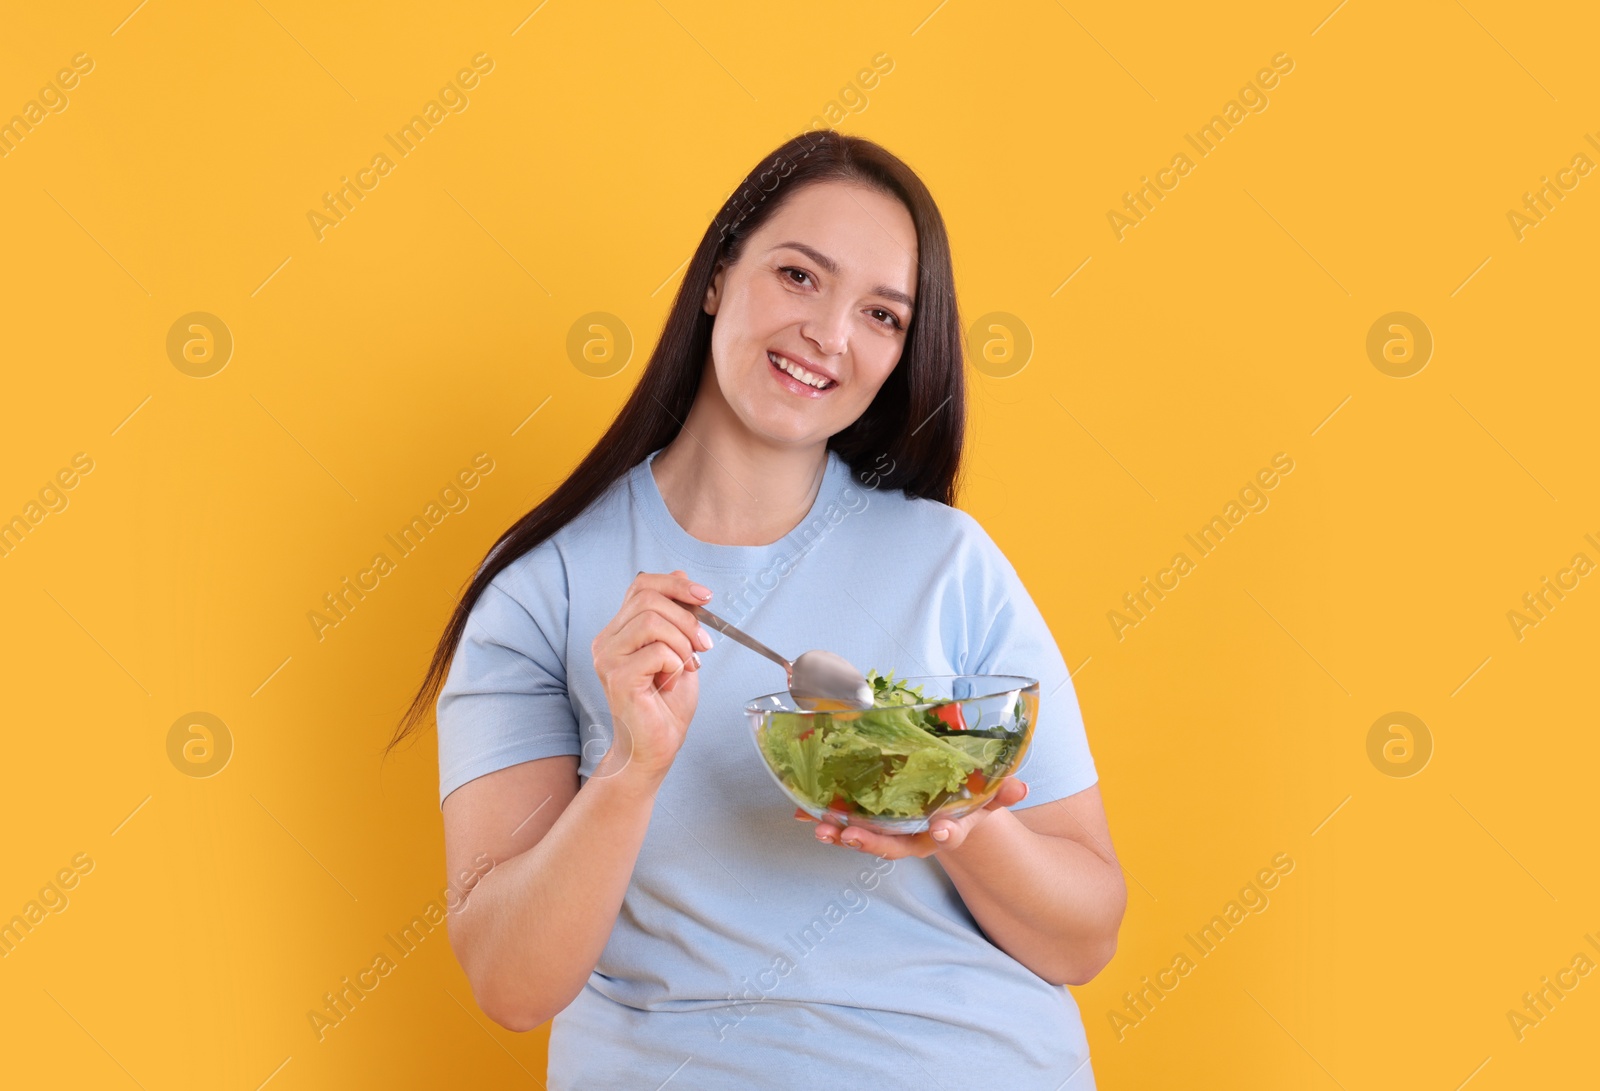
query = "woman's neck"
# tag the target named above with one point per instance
(727, 487)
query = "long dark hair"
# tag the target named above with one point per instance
(909, 438)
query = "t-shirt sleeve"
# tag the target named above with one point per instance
(505, 698)
(1017, 640)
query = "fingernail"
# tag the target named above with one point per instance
(941, 834)
(694, 657)
(703, 592)
(853, 842)
(705, 638)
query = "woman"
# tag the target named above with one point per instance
(788, 458)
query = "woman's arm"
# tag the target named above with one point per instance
(532, 929)
(1044, 885)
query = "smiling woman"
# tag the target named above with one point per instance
(594, 745)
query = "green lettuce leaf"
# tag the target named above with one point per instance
(890, 760)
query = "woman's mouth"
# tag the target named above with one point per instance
(797, 378)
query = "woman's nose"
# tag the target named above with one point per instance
(829, 331)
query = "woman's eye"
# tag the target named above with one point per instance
(789, 272)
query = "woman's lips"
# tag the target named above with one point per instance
(795, 385)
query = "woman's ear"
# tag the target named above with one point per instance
(714, 289)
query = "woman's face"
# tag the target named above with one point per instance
(827, 285)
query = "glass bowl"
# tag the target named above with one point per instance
(900, 766)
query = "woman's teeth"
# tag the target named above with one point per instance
(794, 369)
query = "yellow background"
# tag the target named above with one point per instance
(370, 366)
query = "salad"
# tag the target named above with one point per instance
(892, 759)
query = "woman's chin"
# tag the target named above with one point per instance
(790, 429)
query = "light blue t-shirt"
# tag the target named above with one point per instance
(746, 953)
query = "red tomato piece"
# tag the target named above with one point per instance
(976, 782)
(951, 715)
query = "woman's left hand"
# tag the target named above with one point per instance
(895, 846)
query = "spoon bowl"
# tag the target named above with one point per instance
(818, 680)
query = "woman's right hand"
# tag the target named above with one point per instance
(646, 660)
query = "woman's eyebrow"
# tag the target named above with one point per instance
(831, 267)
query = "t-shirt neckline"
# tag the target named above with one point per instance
(647, 495)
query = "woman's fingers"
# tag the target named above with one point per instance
(642, 656)
(663, 596)
(675, 584)
(895, 846)
(636, 624)
(668, 607)
(1011, 791)
(660, 658)
(658, 663)
(890, 846)
(651, 628)
(668, 594)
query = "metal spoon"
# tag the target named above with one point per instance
(818, 680)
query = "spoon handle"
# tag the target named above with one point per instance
(743, 638)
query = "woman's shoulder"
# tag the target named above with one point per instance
(955, 538)
(596, 523)
(543, 570)
(932, 520)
